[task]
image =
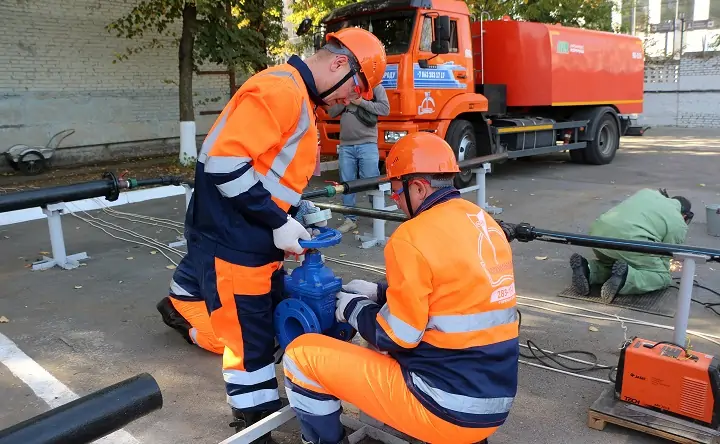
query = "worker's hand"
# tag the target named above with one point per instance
(341, 302)
(365, 288)
(287, 237)
(307, 207)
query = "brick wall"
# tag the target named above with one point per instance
(684, 93)
(57, 72)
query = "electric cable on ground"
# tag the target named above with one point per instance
(536, 352)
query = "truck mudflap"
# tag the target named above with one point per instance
(537, 138)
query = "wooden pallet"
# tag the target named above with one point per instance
(607, 409)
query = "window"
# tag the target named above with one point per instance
(426, 35)
(393, 29)
(454, 36)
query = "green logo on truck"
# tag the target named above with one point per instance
(563, 47)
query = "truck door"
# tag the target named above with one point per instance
(446, 75)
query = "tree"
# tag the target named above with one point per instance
(238, 34)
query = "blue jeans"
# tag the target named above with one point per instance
(354, 159)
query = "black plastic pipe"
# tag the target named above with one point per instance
(91, 417)
(109, 188)
(526, 233)
(367, 212)
(371, 183)
(580, 240)
(65, 193)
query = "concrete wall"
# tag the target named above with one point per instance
(57, 72)
(684, 93)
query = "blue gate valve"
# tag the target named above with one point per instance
(311, 288)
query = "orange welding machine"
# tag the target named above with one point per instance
(666, 377)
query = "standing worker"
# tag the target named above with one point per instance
(254, 164)
(648, 216)
(358, 149)
(446, 318)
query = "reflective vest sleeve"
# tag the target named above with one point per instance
(256, 129)
(401, 321)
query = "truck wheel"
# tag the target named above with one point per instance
(602, 149)
(461, 137)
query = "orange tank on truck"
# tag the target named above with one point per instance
(495, 86)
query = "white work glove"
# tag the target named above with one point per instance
(365, 288)
(341, 302)
(287, 237)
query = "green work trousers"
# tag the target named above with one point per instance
(646, 273)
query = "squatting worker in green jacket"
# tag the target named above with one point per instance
(649, 216)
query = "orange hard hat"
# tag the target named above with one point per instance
(420, 153)
(368, 51)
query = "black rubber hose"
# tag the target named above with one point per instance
(91, 417)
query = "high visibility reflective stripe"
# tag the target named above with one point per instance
(402, 329)
(225, 164)
(240, 377)
(252, 399)
(177, 290)
(310, 405)
(211, 138)
(472, 322)
(290, 366)
(271, 182)
(240, 185)
(352, 320)
(461, 403)
(274, 187)
(286, 155)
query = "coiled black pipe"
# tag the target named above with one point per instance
(91, 417)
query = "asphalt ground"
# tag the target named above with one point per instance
(97, 325)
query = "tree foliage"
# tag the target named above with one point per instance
(590, 14)
(238, 34)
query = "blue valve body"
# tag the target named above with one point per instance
(310, 290)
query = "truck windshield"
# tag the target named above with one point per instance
(394, 29)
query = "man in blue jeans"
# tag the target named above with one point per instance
(358, 150)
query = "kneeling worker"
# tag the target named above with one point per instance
(648, 216)
(185, 311)
(446, 318)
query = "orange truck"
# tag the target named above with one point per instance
(494, 86)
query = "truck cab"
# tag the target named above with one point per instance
(430, 63)
(496, 87)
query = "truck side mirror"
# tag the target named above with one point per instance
(441, 44)
(304, 27)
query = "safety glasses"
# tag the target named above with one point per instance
(395, 195)
(358, 89)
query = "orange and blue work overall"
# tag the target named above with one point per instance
(448, 322)
(255, 162)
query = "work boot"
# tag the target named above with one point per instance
(580, 274)
(616, 281)
(347, 225)
(243, 420)
(173, 319)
